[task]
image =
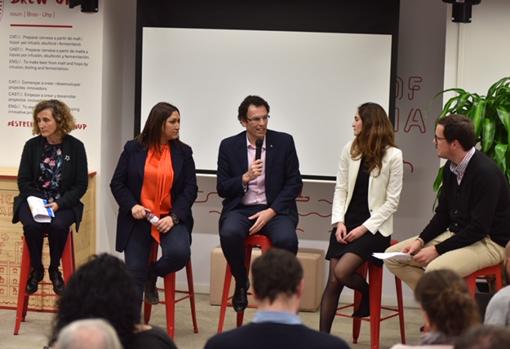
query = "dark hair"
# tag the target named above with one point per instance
(60, 112)
(151, 134)
(276, 272)
(485, 337)
(460, 128)
(100, 288)
(375, 136)
(444, 296)
(243, 108)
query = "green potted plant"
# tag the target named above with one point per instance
(491, 118)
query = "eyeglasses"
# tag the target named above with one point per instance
(436, 138)
(257, 119)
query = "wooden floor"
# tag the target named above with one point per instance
(34, 332)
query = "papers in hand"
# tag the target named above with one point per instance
(399, 256)
(40, 213)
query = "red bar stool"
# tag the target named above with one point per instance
(23, 296)
(170, 291)
(492, 273)
(252, 241)
(375, 277)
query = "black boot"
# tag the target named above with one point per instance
(36, 276)
(56, 280)
(151, 292)
(240, 298)
(364, 306)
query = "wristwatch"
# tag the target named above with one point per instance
(175, 219)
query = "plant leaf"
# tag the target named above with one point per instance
(488, 132)
(504, 117)
(478, 114)
(500, 155)
(438, 182)
(495, 86)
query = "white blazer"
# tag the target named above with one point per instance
(383, 189)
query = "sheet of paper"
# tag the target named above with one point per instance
(392, 255)
(40, 213)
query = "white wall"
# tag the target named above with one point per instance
(117, 107)
(478, 53)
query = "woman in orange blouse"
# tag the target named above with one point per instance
(155, 176)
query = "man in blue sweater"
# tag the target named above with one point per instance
(278, 285)
(470, 227)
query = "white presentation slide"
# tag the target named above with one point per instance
(313, 82)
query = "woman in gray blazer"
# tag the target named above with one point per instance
(367, 192)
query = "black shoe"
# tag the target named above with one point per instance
(56, 280)
(151, 292)
(240, 298)
(363, 308)
(36, 276)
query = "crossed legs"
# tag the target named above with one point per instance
(342, 272)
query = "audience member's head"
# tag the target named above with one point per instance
(485, 337)
(101, 288)
(87, 334)
(449, 308)
(277, 273)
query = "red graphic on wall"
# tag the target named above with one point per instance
(410, 165)
(29, 124)
(201, 201)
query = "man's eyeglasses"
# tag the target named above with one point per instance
(436, 138)
(257, 119)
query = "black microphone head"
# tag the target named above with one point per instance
(258, 146)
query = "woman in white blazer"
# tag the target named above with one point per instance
(367, 192)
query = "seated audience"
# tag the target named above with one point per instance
(448, 308)
(103, 288)
(278, 287)
(86, 334)
(498, 309)
(485, 337)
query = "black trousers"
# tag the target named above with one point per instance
(281, 230)
(57, 232)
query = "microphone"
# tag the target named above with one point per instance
(258, 146)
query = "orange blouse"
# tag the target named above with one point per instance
(157, 183)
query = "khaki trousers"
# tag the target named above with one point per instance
(464, 261)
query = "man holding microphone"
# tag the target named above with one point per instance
(258, 177)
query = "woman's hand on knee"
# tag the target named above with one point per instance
(164, 224)
(341, 231)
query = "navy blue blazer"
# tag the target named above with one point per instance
(282, 178)
(127, 181)
(74, 180)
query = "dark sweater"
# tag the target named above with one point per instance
(269, 335)
(478, 207)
